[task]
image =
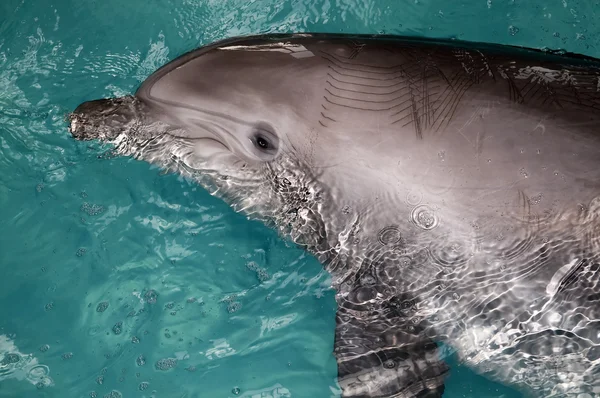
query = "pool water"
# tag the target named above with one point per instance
(118, 280)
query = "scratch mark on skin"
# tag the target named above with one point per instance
(480, 137)
(382, 79)
(356, 49)
(386, 101)
(415, 115)
(515, 93)
(381, 141)
(327, 117)
(367, 92)
(373, 69)
(477, 113)
(541, 125)
(398, 83)
(525, 205)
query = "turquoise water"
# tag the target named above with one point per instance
(117, 279)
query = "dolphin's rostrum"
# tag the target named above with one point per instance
(451, 189)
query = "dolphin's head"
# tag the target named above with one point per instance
(240, 122)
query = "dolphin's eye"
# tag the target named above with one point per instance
(262, 142)
(265, 140)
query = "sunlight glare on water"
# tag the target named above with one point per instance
(118, 280)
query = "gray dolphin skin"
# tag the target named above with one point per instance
(451, 189)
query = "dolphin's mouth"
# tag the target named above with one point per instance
(209, 135)
(215, 142)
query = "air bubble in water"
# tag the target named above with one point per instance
(150, 296)
(536, 200)
(92, 209)
(39, 372)
(10, 358)
(523, 172)
(404, 261)
(413, 198)
(389, 236)
(233, 307)
(424, 217)
(236, 391)
(166, 363)
(117, 328)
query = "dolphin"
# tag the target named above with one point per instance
(451, 189)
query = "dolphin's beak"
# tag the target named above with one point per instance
(102, 119)
(87, 116)
(75, 126)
